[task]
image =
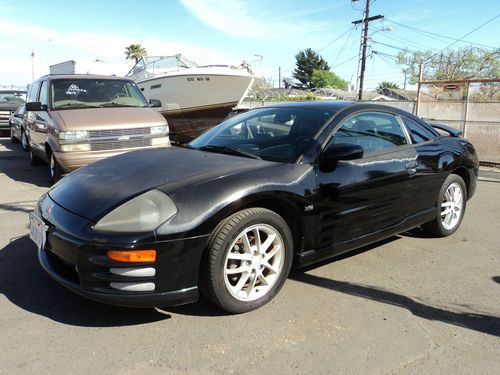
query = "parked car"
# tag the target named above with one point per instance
(17, 128)
(227, 216)
(10, 100)
(74, 120)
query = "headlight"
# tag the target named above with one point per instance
(75, 147)
(159, 130)
(141, 214)
(78, 135)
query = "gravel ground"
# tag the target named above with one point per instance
(408, 305)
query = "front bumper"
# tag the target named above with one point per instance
(70, 161)
(54, 267)
(82, 266)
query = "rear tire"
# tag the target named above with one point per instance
(25, 144)
(451, 204)
(248, 260)
(12, 138)
(34, 160)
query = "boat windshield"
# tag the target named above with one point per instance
(95, 93)
(160, 64)
(275, 134)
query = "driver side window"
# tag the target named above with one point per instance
(374, 131)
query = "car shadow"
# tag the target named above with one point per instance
(496, 279)
(15, 163)
(484, 323)
(26, 285)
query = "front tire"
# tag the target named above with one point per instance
(249, 258)
(55, 172)
(451, 203)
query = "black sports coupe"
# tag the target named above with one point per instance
(228, 214)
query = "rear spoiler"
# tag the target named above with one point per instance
(452, 131)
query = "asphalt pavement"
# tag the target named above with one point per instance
(408, 305)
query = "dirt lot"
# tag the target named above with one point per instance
(408, 305)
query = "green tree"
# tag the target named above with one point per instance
(325, 78)
(135, 52)
(386, 85)
(306, 62)
(463, 63)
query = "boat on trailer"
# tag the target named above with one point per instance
(193, 97)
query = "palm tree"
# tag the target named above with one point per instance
(135, 51)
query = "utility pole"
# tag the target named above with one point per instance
(364, 43)
(32, 66)
(279, 77)
(420, 74)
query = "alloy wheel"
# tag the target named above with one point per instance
(254, 262)
(451, 208)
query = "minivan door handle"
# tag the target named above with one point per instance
(411, 167)
(411, 164)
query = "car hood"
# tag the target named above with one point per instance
(105, 118)
(96, 189)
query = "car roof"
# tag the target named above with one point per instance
(81, 76)
(329, 105)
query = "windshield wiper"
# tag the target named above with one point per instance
(112, 104)
(229, 150)
(76, 106)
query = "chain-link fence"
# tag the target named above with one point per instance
(470, 106)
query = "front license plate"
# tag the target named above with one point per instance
(38, 231)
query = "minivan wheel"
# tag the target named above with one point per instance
(55, 172)
(248, 260)
(24, 141)
(12, 138)
(451, 203)
(34, 160)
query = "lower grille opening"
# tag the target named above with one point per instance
(63, 268)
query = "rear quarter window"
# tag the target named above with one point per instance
(417, 132)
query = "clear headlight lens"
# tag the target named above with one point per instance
(141, 214)
(78, 135)
(159, 130)
(75, 147)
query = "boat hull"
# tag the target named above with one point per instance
(193, 103)
(186, 125)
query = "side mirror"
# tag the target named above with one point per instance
(341, 151)
(154, 103)
(35, 106)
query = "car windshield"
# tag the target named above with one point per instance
(275, 134)
(92, 93)
(15, 97)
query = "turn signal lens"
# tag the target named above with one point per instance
(132, 256)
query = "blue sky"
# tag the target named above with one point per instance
(229, 31)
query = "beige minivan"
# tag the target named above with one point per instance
(74, 120)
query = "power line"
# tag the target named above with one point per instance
(345, 61)
(438, 35)
(465, 36)
(322, 48)
(343, 46)
(333, 41)
(407, 41)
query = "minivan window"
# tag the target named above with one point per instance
(33, 92)
(44, 97)
(95, 93)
